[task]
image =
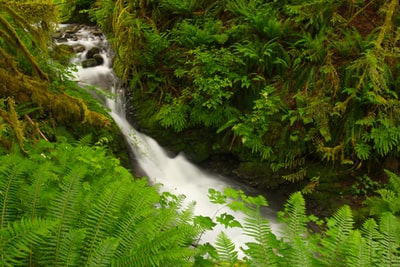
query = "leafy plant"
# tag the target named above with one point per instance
(387, 201)
(72, 210)
(338, 244)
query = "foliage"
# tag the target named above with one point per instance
(74, 204)
(388, 197)
(329, 68)
(61, 205)
(36, 93)
(339, 243)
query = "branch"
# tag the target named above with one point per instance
(33, 124)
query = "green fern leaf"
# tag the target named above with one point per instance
(295, 231)
(17, 240)
(262, 252)
(64, 209)
(104, 253)
(390, 228)
(363, 151)
(160, 247)
(38, 193)
(335, 245)
(71, 247)
(12, 172)
(174, 115)
(394, 181)
(226, 249)
(101, 218)
(370, 255)
(143, 198)
(357, 250)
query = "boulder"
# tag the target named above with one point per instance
(97, 32)
(89, 63)
(92, 51)
(99, 59)
(79, 48)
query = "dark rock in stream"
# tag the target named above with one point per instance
(99, 59)
(89, 63)
(79, 48)
(92, 51)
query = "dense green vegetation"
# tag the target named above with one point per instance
(299, 87)
(283, 81)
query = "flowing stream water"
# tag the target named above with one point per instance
(176, 175)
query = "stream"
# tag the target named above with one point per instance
(175, 175)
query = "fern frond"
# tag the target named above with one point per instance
(64, 209)
(86, 140)
(263, 251)
(104, 253)
(70, 250)
(389, 226)
(337, 240)
(143, 198)
(295, 232)
(38, 193)
(394, 181)
(370, 255)
(296, 216)
(226, 249)
(101, 218)
(357, 250)
(19, 237)
(160, 248)
(12, 170)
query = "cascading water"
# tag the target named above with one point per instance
(176, 175)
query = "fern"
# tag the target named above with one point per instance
(295, 231)
(369, 252)
(20, 236)
(104, 253)
(174, 115)
(12, 171)
(335, 245)
(390, 244)
(64, 209)
(226, 249)
(356, 251)
(385, 139)
(142, 199)
(389, 198)
(159, 248)
(262, 252)
(100, 220)
(38, 194)
(71, 247)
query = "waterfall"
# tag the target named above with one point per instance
(176, 175)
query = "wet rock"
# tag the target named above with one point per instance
(79, 48)
(65, 48)
(99, 59)
(89, 63)
(97, 32)
(72, 29)
(92, 51)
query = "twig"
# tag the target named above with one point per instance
(39, 131)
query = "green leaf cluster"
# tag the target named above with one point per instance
(74, 205)
(337, 243)
(332, 66)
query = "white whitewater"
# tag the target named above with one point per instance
(176, 175)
